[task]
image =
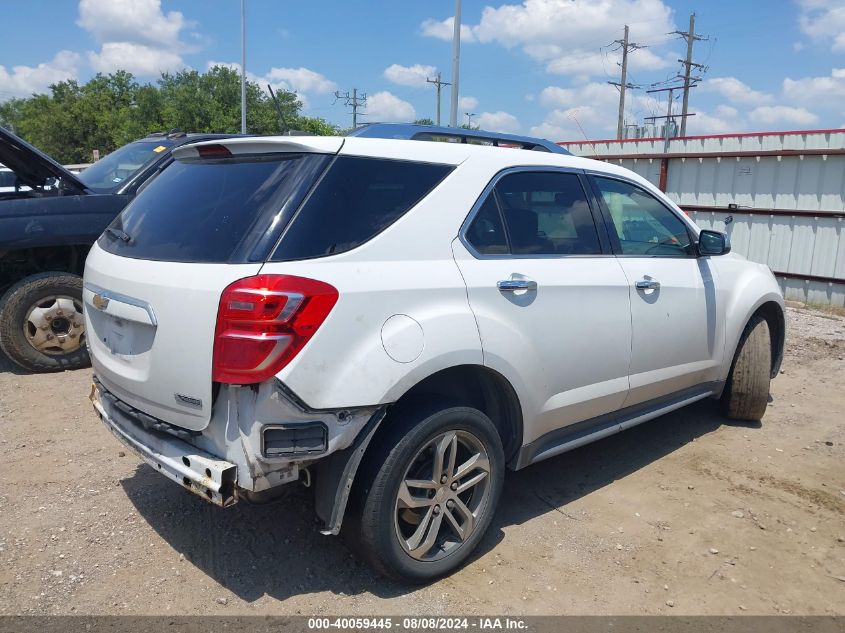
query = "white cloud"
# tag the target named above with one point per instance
(819, 91)
(780, 115)
(824, 21)
(135, 58)
(724, 120)
(414, 76)
(386, 106)
(734, 91)
(301, 80)
(467, 103)
(565, 35)
(444, 30)
(23, 81)
(497, 121)
(135, 35)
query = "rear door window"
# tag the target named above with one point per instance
(357, 199)
(544, 213)
(214, 210)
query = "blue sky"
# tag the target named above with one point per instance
(534, 67)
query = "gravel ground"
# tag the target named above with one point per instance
(687, 514)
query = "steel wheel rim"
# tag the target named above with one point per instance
(442, 495)
(54, 325)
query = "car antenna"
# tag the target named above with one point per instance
(285, 126)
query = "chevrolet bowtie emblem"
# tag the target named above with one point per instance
(100, 302)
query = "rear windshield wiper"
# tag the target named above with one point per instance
(123, 236)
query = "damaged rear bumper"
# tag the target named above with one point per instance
(202, 473)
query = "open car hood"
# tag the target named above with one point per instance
(32, 167)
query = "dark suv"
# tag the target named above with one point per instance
(49, 218)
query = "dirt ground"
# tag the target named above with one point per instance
(688, 514)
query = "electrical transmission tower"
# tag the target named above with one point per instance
(354, 101)
(623, 84)
(439, 84)
(691, 38)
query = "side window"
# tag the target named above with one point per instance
(486, 232)
(643, 224)
(357, 199)
(545, 213)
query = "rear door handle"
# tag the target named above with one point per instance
(510, 285)
(647, 284)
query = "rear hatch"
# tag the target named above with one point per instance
(154, 279)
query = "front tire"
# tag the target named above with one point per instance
(428, 495)
(41, 323)
(747, 391)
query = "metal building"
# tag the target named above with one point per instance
(785, 191)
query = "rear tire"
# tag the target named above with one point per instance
(388, 514)
(46, 293)
(747, 391)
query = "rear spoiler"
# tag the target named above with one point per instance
(262, 145)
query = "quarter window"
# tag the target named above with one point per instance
(643, 225)
(535, 213)
(357, 199)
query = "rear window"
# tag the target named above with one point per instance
(355, 201)
(214, 210)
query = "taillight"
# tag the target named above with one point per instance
(263, 322)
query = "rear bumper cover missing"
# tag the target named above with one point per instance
(203, 474)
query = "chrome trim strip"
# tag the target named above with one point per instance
(121, 298)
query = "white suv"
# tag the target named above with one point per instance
(396, 322)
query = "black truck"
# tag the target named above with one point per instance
(49, 218)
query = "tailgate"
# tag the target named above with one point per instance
(150, 329)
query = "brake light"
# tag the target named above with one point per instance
(213, 151)
(263, 322)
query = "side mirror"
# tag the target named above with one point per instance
(713, 243)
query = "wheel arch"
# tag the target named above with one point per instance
(481, 388)
(467, 385)
(770, 308)
(16, 264)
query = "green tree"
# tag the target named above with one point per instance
(110, 110)
(424, 122)
(315, 125)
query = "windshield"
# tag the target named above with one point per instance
(108, 172)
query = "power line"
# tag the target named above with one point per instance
(439, 84)
(354, 101)
(670, 118)
(688, 64)
(623, 83)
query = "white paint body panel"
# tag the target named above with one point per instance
(587, 344)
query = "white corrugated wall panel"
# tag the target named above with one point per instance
(780, 243)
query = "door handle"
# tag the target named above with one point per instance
(511, 285)
(647, 284)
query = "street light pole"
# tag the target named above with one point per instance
(456, 64)
(243, 68)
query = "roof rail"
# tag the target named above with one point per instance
(418, 132)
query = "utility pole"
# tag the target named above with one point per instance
(670, 118)
(623, 84)
(469, 116)
(354, 101)
(690, 37)
(438, 83)
(456, 64)
(243, 67)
